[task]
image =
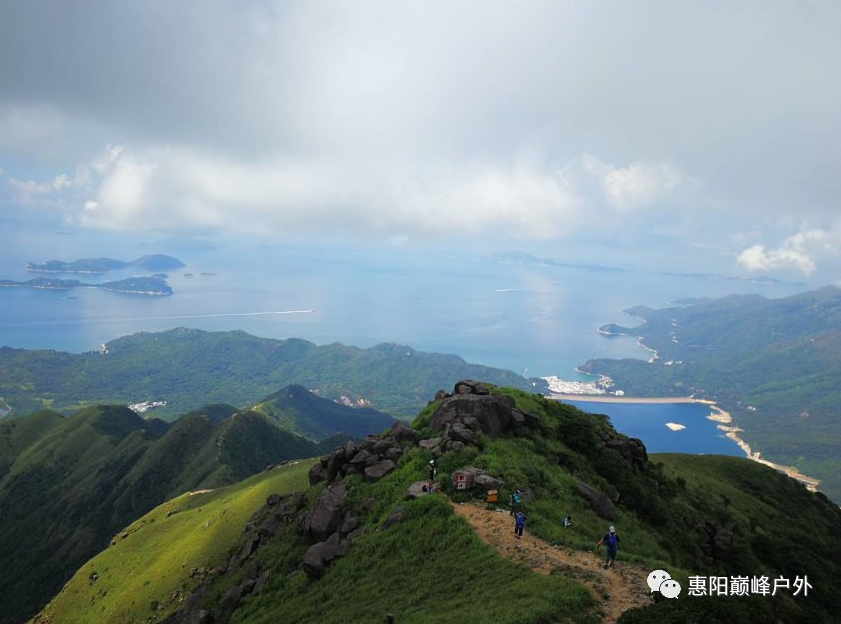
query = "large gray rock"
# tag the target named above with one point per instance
(493, 412)
(326, 515)
(379, 470)
(381, 447)
(429, 443)
(468, 386)
(598, 502)
(394, 453)
(318, 473)
(488, 482)
(632, 450)
(318, 557)
(360, 459)
(416, 490)
(461, 433)
(402, 432)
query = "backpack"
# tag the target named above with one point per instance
(611, 539)
(515, 497)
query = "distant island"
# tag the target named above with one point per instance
(153, 286)
(155, 262)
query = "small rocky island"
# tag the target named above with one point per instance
(153, 286)
(154, 262)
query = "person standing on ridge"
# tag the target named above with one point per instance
(519, 524)
(432, 471)
(611, 542)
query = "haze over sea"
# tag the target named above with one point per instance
(508, 314)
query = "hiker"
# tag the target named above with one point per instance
(515, 502)
(611, 541)
(519, 524)
(430, 486)
(432, 471)
(567, 522)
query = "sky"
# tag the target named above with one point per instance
(699, 135)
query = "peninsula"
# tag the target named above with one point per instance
(155, 262)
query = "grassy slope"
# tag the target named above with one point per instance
(84, 477)
(151, 567)
(430, 568)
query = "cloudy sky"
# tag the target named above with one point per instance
(705, 130)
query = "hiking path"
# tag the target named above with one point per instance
(616, 589)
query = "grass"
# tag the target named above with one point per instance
(152, 565)
(429, 568)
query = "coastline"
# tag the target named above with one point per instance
(718, 415)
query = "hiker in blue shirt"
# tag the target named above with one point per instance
(519, 524)
(611, 541)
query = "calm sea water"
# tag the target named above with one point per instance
(647, 421)
(539, 320)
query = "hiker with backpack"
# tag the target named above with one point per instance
(515, 502)
(519, 524)
(567, 522)
(432, 471)
(611, 542)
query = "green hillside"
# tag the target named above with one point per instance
(774, 364)
(692, 515)
(67, 485)
(156, 560)
(189, 368)
(300, 411)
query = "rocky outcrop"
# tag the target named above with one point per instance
(326, 515)
(469, 478)
(598, 502)
(632, 450)
(374, 457)
(472, 410)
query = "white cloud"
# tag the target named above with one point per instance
(798, 252)
(638, 184)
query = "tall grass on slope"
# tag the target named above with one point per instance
(147, 571)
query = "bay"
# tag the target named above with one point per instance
(648, 422)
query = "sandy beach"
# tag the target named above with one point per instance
(723, 418)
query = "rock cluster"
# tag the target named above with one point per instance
(263, 525)
(374, 457)
(329, 529)
(471, 410)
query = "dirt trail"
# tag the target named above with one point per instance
(616, 590)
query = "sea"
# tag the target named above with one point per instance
(537, 319)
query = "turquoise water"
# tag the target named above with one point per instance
(647, 421)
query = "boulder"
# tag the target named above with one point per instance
(467, 476)
(488, 482)
(461, 433)
(319, 556)
(394, 453)
(381, 447)
(349, 525)
(453, 445)
(402, 432)
(230, 600)
(273, 499)
(360, 459)
(429, 443)
(493, 412)
(318, 473)
(632, 450)
(326, 515)
(416, 490)
(261, 582)
(379, 470)
(441, 394)
(270, 526)
(250, 547)
(468, 386)
(598, 502)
